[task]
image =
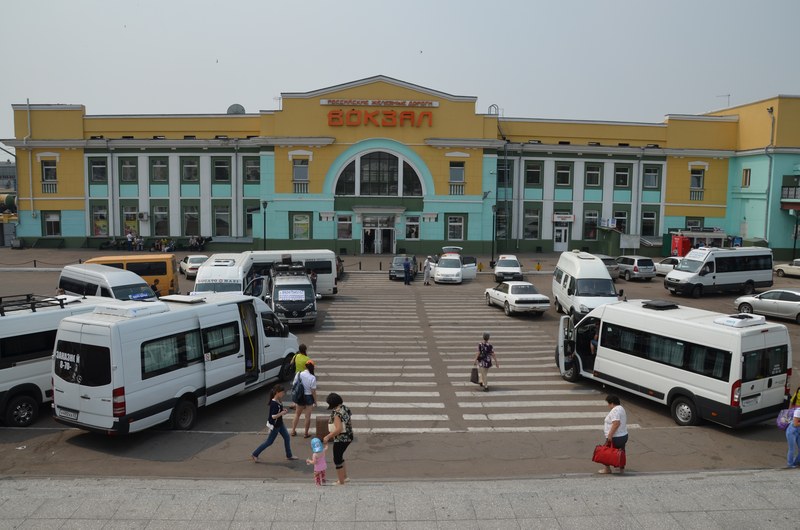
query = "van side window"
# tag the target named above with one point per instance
(271, 324)
(72, 285)
(26, 347)
(166, 354)
(558, 274)
(221, 341)
(148, 268)
(104, 291)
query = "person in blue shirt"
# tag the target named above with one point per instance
(407, 271)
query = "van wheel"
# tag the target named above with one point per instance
(507, 309)
(684, 412)
(745, 308)
(288, 369)
(697, 291)
(749, 288)
(557, 306)
(22, 411)
(184, 415)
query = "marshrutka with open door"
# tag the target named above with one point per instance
(128, 366)
(730, 369)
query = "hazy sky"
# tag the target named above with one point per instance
(626, 60)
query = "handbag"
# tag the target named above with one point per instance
(784, 418)
(473, 376)
(609, 455)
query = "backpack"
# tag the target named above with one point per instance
(298, 392)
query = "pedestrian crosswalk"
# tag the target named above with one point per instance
(401, 356)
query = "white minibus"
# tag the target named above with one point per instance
(719, 270)
(128, 366)
(28, 325)
(730, 369)
(581, 282)
(321, 261)
(92, 279)
(224, 273)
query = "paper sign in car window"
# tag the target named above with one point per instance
(291, 295)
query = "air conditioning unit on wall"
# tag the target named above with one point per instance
(142, 216)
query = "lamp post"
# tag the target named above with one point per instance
(494, 233)
(264, 205)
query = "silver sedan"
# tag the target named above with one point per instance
(782, 303)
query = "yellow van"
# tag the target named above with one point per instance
(150, 267)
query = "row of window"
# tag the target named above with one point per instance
(128, 168)
(592, 176)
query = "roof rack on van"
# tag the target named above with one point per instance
(31, 302)
(659, 305)
(295, 268)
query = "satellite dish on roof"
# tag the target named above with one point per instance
(235, 109)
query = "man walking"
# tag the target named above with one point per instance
(407, 271)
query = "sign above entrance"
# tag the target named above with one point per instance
(379, 118)
(379, 103)
(563, 218)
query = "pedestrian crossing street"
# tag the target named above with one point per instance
(400, 356)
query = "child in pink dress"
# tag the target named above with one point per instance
(318, 459)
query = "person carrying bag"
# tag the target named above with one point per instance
(785, 417)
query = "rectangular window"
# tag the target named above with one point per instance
(159, 170)
(300, 170)
(25, 347)
(593, 173)
(563, 174)
(49, 173)
(648, 223)
(222, 169)
(621, 218)
(52, 223)
(697, 177)
(622, 176)
(344, 227)
(221, 341)
(190, 169)
(412, 227)
(301, 226)
(129, 219)
(191, 220)
(98, 171)
(694, 223)
(160, 220)
(163, 355)
(533, 174)
(222, 220)
(99, 220)
(531, 222)
(746, 177)
(128, 170)
(505, 173)
(761, 364)
(651, 176)
(252, 170)
(455, 227)
(457, 172)
(590, 225)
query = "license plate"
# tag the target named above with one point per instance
(69, 414)
(295, 321)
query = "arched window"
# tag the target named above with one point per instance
(379, 174)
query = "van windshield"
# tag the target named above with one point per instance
(689, 265)
(595, 287)
(137, 291)
(218, 287)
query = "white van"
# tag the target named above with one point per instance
(720, 270)
(224, 273)
(128, 366)
(730, 369)
(28, 325)
(581, 282)
(92, 279)
(291, 295)
(321, 261)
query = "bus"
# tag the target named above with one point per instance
(733, 370)
(150, 267)
(321, 261)
(224, 273)
(719, 270)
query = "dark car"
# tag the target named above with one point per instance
(396, 266)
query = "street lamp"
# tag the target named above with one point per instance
(264, 205)
(494, 233)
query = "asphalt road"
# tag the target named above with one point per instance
(400, 356)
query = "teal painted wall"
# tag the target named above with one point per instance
(622, 196)
(159, 190)
(221, 190)
(593, 195)
(98, 190)
(653, 197)
(190, 190)
(128, 190)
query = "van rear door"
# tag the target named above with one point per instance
(765, 362)
(565, 332)
(82, 375)
(223, 354)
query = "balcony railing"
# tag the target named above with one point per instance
(790, 192)
(696, 194)
(301, 187)
(49, 187)
(456, 189)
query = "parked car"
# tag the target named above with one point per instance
(636, 267)
(452, 268)
(517, 297)
(507, 268)
(396, 271)
(611, 264)
(788, 269)
(664, 266)
(189, 265)
(782, 303)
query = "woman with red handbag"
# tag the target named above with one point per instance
(615, 428)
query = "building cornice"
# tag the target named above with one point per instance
(136, 143)
(40, 106)
(772, 151)
(579, 122)
(467, 143)
(694, 117)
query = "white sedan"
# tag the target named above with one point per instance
(788, 269)
(666, 265)
(518, 297)
(190, 264)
